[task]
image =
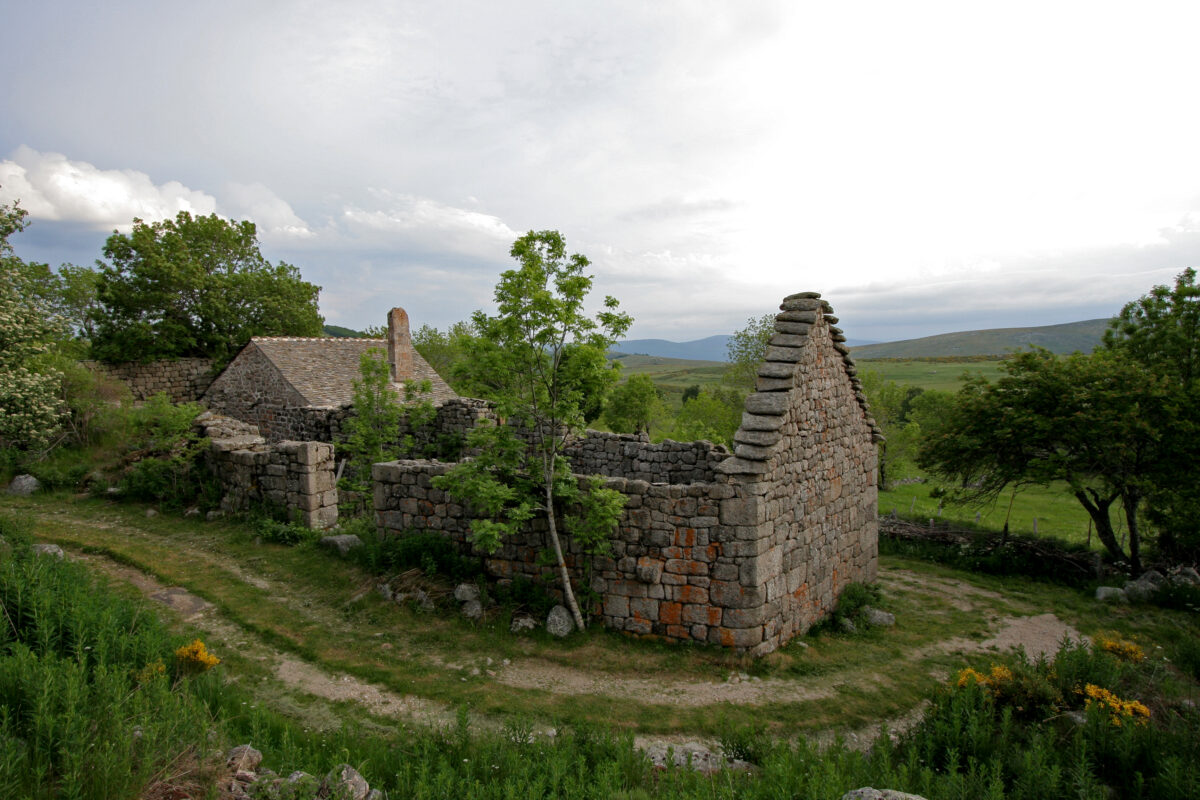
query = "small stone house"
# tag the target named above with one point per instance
(295, 388)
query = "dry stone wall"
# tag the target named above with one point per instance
(184, 380)
(295, 476)
(625, 455)
(744, 551)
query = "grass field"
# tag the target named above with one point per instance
(673, 375)
(946, 376)
(1046, 511)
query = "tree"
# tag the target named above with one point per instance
(1096, 422)
(746, 348)
(30, 408)
(1161, 331)
(373, 429)
(445, 351)
(632, 405)
(520, 470)
(714, 414)
(195, 286)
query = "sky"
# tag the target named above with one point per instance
(927, 167)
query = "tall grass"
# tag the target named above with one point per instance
(90, 705)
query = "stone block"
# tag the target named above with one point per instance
(743, 511)
(649, 570)
(796, 328)
(776, 369)
(774, 384)
(788, 355)
(692, 594)
(799, 311)
(738, 637)
(742, 617)
(316, 482)
(759, 422)
(616, 606)
(668, 613)
(728, 594)
(788, 340)
(771, 404)
(644, 608)
(752, 453)
(757, 438)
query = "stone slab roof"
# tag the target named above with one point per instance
(323, 370)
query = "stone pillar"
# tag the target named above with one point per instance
(400, 348)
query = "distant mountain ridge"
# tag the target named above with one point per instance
(710, 348)
(1064, 338)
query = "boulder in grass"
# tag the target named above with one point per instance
(867, 793)
(24, 485)
(343, 543)
(47, 550)
(466, 592)
(1111, 594)
(344, 783)
(559, 622)
(243, 757)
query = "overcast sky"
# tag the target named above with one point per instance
(928, 167)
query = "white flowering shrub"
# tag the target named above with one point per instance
(30, 405)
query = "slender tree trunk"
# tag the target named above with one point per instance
(1098, 511)
(568, 593)
(1131, 501)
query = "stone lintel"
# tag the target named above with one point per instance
(808, 316)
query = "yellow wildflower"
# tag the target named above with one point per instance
(1122, 649)
(1118, 709)
(196, 656)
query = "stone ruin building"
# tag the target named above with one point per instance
(743, 549)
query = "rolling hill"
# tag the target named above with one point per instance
(1065, 338)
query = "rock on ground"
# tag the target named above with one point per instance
(244, 757)
(472, 609)
(867, 793)
(24, 485)
(47, 550)
(521, 623)
(342, 542)
(1111, 594)
(878, 619)
(466, 592)
(344, 781)
(559, 622)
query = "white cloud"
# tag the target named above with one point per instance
(51, 186)
(272, 214)
(424, 223)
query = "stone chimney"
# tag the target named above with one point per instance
(400, 349)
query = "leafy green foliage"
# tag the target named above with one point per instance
(714, 414)
(1096, 422)
(538, 360)
(1161, 332)
(195, 286)
(430, 552)
(746, 348)
(30, 408)
(167, 455)
(446, 351)
(374, 429)
(633, 405)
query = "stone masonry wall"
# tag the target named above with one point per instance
(183, 380)
(747, 558)
(625, 455)
(667, 552)
(295, 476)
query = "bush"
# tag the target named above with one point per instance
(430, 552)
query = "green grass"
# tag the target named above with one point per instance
(492, 750)
(946, 376)
(1057, 512)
